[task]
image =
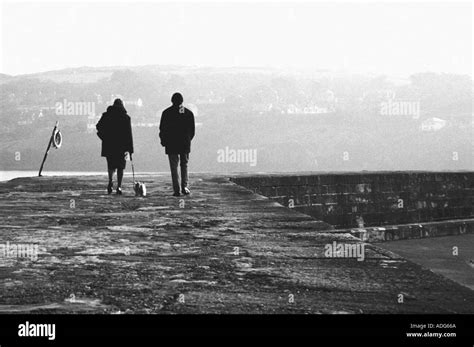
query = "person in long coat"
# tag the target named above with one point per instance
(115, 130)
(177, 129)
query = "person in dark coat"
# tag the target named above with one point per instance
(177, 129)
(115, 130)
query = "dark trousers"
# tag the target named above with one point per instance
(182, 160)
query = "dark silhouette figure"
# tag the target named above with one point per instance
(176, 132)
(115, 130)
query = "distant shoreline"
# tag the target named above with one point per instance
(8, 175)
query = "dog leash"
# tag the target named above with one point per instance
(133, 169)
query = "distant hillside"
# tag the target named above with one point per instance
(5, 77)
(87, 74)
(291, 120)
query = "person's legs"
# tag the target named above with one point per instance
(111, 175)
(115, 162)
(111, 184)
(174, 160)
(110, 171)
(119, 177)
(120, 165)
(184, 159)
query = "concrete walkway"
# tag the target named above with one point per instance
(450, 256)
(222, 250)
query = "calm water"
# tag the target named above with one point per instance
(8, 175)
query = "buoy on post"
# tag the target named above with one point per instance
(56, 140)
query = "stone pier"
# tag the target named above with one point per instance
(68, 247)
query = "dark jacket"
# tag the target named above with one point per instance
(177, 130)
(115, 130)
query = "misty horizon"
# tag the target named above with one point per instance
(302, 36)
(274, 69)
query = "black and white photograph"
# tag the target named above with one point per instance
(236, 168)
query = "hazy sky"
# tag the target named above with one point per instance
(385, 38)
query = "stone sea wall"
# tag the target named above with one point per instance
(371, 198)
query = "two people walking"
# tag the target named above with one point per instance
(177, 129)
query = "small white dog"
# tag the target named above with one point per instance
(140, 189)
